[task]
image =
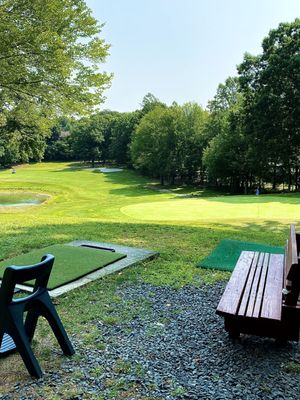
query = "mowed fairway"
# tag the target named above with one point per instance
(231, 208)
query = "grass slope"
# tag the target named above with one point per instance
(70, 262)
(88, 205)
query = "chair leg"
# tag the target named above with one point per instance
(1, 337)
(20, 338)
(31, 322)
(58, 329)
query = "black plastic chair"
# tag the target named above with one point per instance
(14, 333)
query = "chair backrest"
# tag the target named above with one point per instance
(14, 275)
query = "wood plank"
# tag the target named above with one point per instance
(247, 291)
(261, 288)
(254, 288)
(272, 300)
(231, 298)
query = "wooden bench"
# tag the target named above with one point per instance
(261, 297)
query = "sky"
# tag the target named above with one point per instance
(181, 50)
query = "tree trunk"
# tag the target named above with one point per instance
(274, 177)
(246, 186)
(289, 178)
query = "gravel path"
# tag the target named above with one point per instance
(172, 345)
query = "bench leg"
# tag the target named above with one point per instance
(231, 328)
(233, 334)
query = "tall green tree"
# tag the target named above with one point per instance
(226, 154)
(59, 145)
(122, 129)
(150, 102)
(50, 54)
(190, 127)
(154, 144)
(271, 85)
(50, 64)
(168, 143)
(87, 138)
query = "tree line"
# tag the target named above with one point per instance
(51, 87)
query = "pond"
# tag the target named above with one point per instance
(15, 199)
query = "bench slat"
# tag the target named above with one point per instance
(245, 299)
(253, 293)
(261, 288)
(272, 299)
(231, 298)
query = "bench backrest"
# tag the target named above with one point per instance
(292, 268)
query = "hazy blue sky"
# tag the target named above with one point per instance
(181, 49)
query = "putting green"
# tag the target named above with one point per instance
(264, 207)
(70, 262)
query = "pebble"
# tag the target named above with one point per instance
(175, 347)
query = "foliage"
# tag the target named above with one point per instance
(225, 157)
(270, 84)
(154, 145)
(50, 56)
(168, 142)
(87, 137)
(192, 120)
(149, 103)
(122, 129)
(59, 146)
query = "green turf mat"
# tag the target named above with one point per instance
(70, 262)
(226, 254)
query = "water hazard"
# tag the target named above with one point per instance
(15, 199)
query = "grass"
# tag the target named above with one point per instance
(83, 204)
(221, 208)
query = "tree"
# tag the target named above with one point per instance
(87, 137)
(149, 103)
(154, 147)
(270, 84)
(59, 146)
(168, 143)
(122, 128)
(191, 120)
(226, 156)
(226, 160)
(50, 54)
(50, 57)
(24, 131)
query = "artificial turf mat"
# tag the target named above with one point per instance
(70, 262)
(225, 255)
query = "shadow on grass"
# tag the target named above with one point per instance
(290, 198)
(175, 241)
(73, 166)
(134, 185)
